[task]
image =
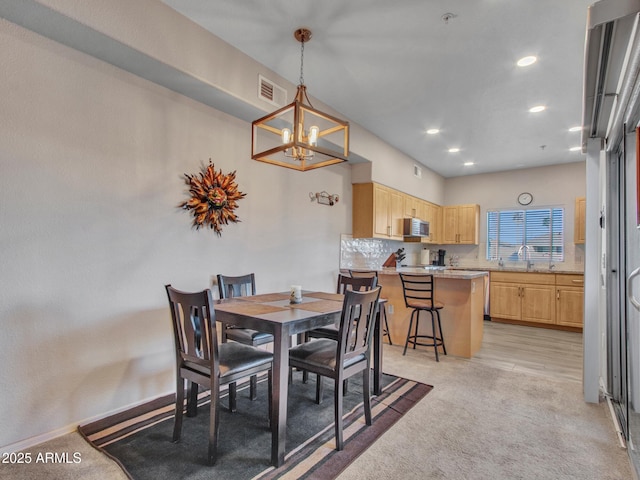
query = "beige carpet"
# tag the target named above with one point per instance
(479, 422)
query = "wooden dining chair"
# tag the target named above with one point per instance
(202, 361)
(241, 286)
(348, 355)
(384, 324)
(345, 283)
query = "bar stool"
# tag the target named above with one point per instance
(383, 311)
(418, 293)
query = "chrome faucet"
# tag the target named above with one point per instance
(501, 262)
(525, 256)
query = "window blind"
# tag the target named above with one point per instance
(520, 235)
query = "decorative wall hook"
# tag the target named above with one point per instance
(324, 198)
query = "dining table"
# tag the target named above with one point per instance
(273, 313)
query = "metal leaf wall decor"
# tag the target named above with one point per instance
(214, 197)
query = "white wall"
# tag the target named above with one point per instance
(556, 185)
(92, 161)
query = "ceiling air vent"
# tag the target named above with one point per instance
(417, 171)
(270, 92)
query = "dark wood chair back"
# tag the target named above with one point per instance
(201, 361)
(355, 335)
(346, 282)
(363, 273)
(194, 328)
(351, 353)
(240, 286)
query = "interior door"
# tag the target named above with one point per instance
(623, 308)
(632, 290)
(614, 282)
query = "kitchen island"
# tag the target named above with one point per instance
(461, 292)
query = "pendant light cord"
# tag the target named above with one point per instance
(302, 62)
(302, 71)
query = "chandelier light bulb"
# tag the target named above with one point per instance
(286, 135)
(314, 131)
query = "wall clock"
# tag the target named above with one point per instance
(525, 198)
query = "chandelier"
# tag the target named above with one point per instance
(297, 135)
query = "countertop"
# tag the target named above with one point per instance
(520, 270)
(465, 272)
(437, 273)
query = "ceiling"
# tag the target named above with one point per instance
(399, 68)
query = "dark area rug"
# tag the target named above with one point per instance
(140, 439)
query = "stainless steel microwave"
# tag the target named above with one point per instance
(414, 227)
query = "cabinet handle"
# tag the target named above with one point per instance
(581, 282)
(388, 230)
(557, 294)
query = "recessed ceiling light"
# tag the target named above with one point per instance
(433, 131)
(526, 61)
(575, 129)
(537, 108)
(468, 164)
(575, 149)
(454, 150)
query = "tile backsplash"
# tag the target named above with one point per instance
(371, 253)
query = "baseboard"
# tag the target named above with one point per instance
(45, 437)
(30, 442)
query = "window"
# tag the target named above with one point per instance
(535, 235)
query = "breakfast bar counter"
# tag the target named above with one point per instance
(461, 292)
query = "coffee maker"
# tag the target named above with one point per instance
(441, 254)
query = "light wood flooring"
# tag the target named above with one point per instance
(536, 351)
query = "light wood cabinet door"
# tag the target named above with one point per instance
(396, 214)
(538, 303)
(468, 219)
(505, 301)
(381, 203)
(412, 207)
(460, 224)
(579, 231)
(429, 215)
(435, 231)
(449, 224)
(570, 306)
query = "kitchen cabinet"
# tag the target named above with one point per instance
(545, 299)
(526, 297)
(412, 207)
(579, 234)
(377, 211)
(460, 224)
(433, 216)
(570, 300)
(426, 211)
